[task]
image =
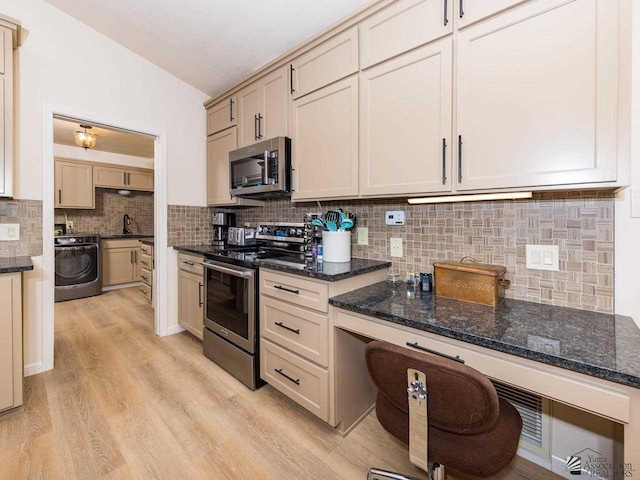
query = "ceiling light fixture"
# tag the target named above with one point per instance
(481, 197)
(85, 139)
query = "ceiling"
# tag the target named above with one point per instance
(114, 141)
(210, 44)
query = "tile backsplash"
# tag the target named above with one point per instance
(106, 218)
(27, 213)
(581, 225)
(189, 225)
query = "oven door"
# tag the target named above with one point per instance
(229, 308)
(76, 265)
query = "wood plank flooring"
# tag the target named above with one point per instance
(123, 403)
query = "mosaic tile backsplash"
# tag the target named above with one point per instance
(106, 219)
(582, 225)
(27, 213)
(189, 225)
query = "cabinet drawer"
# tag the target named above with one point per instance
(298, 329)
(120, 243)
(190, 263)
(147, 249)
(303, 382)
(147, 276)
(146, 261)
(221, 115)
(295, 290)
(146, 291)
(402, 26)
(334, 59)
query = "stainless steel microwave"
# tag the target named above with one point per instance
(262, 169)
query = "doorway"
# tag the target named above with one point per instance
(115, 198)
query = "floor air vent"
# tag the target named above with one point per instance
(534, 411)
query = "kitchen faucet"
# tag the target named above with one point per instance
(126, 222)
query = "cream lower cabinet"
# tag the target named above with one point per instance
(191, 294)
(405, 123)
(296, 335)
(145, 270)
(324, 136)
(11, 369)
(537, 96)
(73, 185)
(120, 261)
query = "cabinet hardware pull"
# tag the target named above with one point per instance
(291, 69)
(131, 256)
(294, 330)
(444, 161)
(260, 117)
(461, 9)
(144, 277)
(124, 178)
(424, 349)
(446, 20)
(279, 370)
(60, 196)
(255, 127)
(459, 158)
(188, 263)
(231, 109)
(128, 178)
(143, 291)
(135, 255)
(200, 294)
(280, 287)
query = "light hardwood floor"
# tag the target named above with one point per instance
(122, 403)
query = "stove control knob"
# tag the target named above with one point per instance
(72, 240)
(299, 232)
(260, 229)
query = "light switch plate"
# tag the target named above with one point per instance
(363, 235)
(543, 257)
(396, 247)
(635, 203)
(9, 232)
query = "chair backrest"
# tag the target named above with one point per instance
(460, 399)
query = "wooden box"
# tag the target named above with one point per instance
(470, 281)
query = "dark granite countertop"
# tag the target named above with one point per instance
(15, 264)
(330, 272)
(597, 344)
(147, 240)
(134, 236)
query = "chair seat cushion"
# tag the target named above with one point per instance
(483, 454)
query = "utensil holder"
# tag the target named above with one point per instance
(336, 247)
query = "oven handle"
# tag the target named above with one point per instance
(220, 267)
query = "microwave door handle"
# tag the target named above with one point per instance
(266, 167)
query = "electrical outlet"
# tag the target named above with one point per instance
(70, 225)
(543, 257)
(396, 247)
(363, 236)
(9, 232)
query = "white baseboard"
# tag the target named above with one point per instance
(32, 369)
(532, 457)
(174, 329)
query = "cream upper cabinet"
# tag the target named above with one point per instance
(6, 113)
(402, 26)
(405, 123)
(190, 302)
(330, 61)
(275, 107)
(324, 136)
(537, 96)
(139, 180)
(249, 112)
(73, 185)
(470, 11)
(218, 182)
(107, 176)
(222, 115)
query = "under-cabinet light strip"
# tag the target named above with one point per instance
(481, 197)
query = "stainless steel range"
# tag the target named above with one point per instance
(231, 313)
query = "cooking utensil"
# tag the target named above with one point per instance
(346, 224)
(318, 223)
(331, 226)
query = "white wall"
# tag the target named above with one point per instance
(67, 64)
(627, 229)
(78, 153)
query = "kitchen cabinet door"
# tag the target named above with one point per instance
(324, 135)
(109, 177)
(405, 123)
(328, 62)
(190, 302)
(402, 26)
(250, 115)
(73, 185)
(221, 116)
(6, 113)
(118, 266)
(537, 96)
(11, 369)
(218, 181)
(471, 11)
(140, 180)
(275, 104)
